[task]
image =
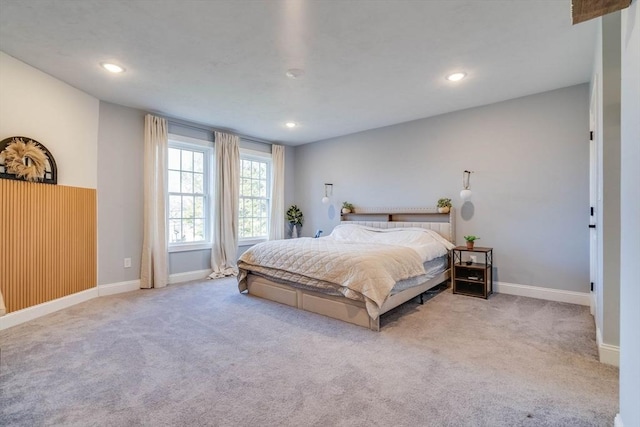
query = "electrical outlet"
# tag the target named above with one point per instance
(127, 263)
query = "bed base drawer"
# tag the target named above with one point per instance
(337, 310)
(264, 290)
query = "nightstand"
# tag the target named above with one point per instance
(473, 279)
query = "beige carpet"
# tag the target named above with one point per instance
(203, 354)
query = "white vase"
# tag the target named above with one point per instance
(444, 209)
(294, 232)
(346, 211)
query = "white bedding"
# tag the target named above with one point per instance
(360, 262)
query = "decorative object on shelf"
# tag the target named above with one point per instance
(444, 205)
(295, 218)
(347, 207)
(328, 192)
(470, 240)
(466, 194)
(25, 159)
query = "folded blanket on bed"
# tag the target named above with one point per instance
(368, 269)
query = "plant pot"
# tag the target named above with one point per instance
(346, 211)
(444, 209)
(469, 245)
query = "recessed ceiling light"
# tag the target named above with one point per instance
(294, 73)
(291, 125)
(456, 77)
(113, 68)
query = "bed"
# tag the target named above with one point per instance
(374, 261)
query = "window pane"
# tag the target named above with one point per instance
(245, 188)
(187, 160)
(198, 183)
(255, 170)
(255, 188)
(198, 229)
(198, 161)
(187, 182)
(199, 207)
(174, 181)
(245, 229)
(263, 227)
(187, 207)
(174, 158)
(263, 171)
(187, 230)
(263, 189)
(175, 231)
(175, 207)
(246, 169)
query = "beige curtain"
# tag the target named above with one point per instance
(225, 205)
(153, 271)
(276, 224)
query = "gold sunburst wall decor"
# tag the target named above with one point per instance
(26, 159)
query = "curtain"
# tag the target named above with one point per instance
(153, 270)
(225, 206)
(276, 224)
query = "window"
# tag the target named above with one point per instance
(189, 198)
(255, 196)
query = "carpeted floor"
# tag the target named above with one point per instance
(202, 354)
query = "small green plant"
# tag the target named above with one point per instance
(347, 205)
(471, 238)
(294, 215)
(444, 203)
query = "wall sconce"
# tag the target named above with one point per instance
(466, 194)
(328, 191)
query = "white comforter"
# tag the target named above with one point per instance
(360, 262)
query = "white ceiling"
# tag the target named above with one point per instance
(367, 63)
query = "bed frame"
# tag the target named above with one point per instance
(348, 310)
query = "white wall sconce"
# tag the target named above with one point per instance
(466, 193)
(328, 192)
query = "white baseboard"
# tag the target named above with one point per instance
(572, 297)
(118, 288)
(618, 421)
(608, 354)
(188, 276)
(30, 313)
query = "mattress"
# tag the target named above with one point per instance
(433, 268)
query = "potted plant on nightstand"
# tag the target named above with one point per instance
(470, 240)
(347, 207)
(295, 218)
(444, 205)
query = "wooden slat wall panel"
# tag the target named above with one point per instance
(48, 243)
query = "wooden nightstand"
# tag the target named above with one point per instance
(473, 279)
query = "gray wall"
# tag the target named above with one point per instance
(120, 192)
(530, 187)
(630, 195)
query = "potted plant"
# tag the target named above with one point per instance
(295, 218)
(444, 205)
(347, 207)
(470, 240)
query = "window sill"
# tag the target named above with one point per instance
(189, 247)
(251, 242)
